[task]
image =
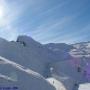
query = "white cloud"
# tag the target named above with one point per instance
(46, 30)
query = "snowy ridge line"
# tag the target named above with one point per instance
(6, 77)
(22, 68)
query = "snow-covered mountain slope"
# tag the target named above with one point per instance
(32, 62)
(56, 83)
(23, 78)
(27, 52)
(75, 50)
(76, 68)
(66, 69)
(34, 56)
(81, 50)
(60, 49)
(68, 75)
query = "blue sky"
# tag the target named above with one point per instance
(59, 21)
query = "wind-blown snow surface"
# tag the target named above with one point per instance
(31, 65)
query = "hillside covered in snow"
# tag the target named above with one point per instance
(26, 64)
